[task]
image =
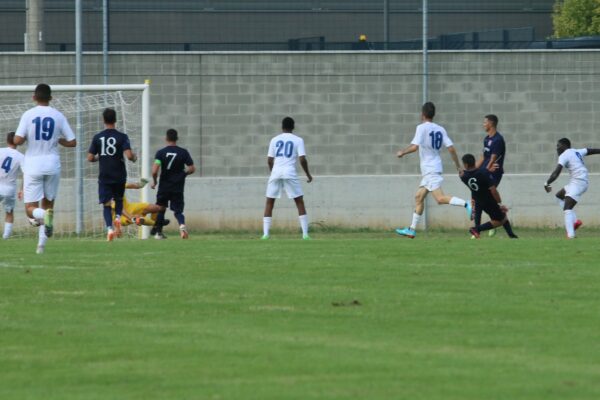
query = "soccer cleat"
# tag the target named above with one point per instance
(110, 235)
(306, 237)
(183, 232)
(117, 226)
(578, 224)
(159, 236)
(265, 237)
(473, 237)
(474, 232)
(469, 210)
(139, 221)
(39, 250)
(166, 222)
(408, 232)
(48, 222)
(143, 182)
(153, 231)
(492, 232)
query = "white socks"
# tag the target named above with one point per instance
(415, 221)
(7, 230)
(304, 224)
(266, 225)
(455, 201)
(39, 213)
(42, 236)
(561, 203)
(570, 223)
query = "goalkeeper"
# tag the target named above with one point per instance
(137, 212)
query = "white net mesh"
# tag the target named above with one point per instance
(89, 106)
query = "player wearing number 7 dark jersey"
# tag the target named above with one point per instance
(174, 164)
(429, 138)
(44, 128)
(108, 148)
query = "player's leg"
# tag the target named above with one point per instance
(274, 188)
(177, 206)
(293, 189)
(420, 196)
(50, 183)
(497, 218)
(105, 198)
(118, 191)
(162, 201)
(9, 206)
(572, 194)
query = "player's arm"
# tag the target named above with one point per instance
(270, 162)
(67, 143)
(492, 165)
(130, 155)
(454, 157)
(496, 196)
(190, 169)
(155, 171)
(304, 165)
(92, 157)
(410, 149)
(68, 139)
(593, 151)
(479, 162)
(552, 178)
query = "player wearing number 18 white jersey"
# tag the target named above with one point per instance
(44, 128)
(429, 139)
(285, 150)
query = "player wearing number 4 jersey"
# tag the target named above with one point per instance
(429, 139)
(174, 164)
(284, 150)
(108, 147)
(44, 128)
(10, 164)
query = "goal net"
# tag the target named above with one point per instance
(77, 211)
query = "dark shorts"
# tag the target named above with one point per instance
(494, 211)
(172, 199)
(110, 191)
(496, 178)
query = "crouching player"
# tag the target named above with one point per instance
(137, 212)
(485, 194)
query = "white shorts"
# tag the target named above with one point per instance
(432, 182)
(292, 188)
(575, 189)
(37, 187)
(9, 202)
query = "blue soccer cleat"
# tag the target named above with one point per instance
(408, 232)
(469, 209)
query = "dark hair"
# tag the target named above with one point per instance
(468, 160)
(10, 138)
(428, 110)
(565, 142)
(43, 92)
(287, 124)
(110, 116)
(172, 135)
(493, 119)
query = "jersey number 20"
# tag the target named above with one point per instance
(286, 149)
(44, 128)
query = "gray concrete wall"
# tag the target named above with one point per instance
(353, 109)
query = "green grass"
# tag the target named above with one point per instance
(363, 315)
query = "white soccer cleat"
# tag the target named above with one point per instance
(110, 235)
(159, 236)
(40, 250)
(183, 232)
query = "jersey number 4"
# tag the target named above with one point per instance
(6, 164)
(436, 139)
(44, 128)
(286, 149)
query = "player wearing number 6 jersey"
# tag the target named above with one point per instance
(108, 147)
(174, 164)
(284, 150)
(429, 139)
(44, 128)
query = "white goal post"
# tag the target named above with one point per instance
(83, 106)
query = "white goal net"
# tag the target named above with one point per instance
(77, 211)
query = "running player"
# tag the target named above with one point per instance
(11, 161)
(429, 138)
(569, 196)
(44, 128)
(284, 150)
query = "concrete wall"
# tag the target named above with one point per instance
(354, 111)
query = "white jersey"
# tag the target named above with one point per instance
(42, 126)
(11, 161)
(572, 159)
(430, 137)
(285, 148)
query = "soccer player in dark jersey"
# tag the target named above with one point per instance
(484, 191)
(492, 162)
(174, 164)
(108, 148)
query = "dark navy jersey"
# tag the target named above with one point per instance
(480, 182)
(494, 145)
(109, 145)
(172, 161)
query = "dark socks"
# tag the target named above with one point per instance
(160, 219)
(509, 230)
(119, 206)
(180, 218)
(107, 213)
(485, 227)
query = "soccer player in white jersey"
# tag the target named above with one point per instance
(571, 159)
(284, 150)
(44, 128)
(429, 138)
(10, 163)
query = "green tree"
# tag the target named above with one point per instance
(574, 18)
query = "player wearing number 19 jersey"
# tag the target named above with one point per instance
(285, 150)
(429, 139)
(44, 128)
(108, 147)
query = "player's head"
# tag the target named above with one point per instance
(42, 93)
(10, 138)
(490, 121)
(287, 125)
(110, 116)
(562, 145)
(428, 110)
(172, 135)
(468, 161)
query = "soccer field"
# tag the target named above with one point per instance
(344, 316)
